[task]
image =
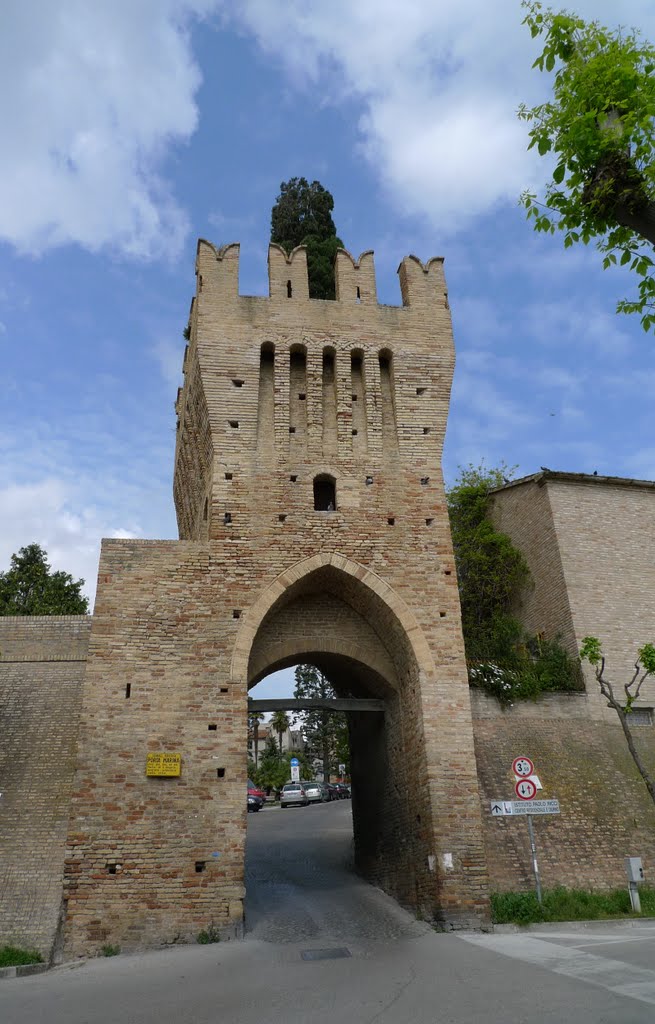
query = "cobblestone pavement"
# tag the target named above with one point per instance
(301, 885)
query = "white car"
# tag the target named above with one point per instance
(314, 792)
(293, 793)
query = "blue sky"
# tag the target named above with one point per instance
(132, 127)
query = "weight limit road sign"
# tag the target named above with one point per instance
(522, 766)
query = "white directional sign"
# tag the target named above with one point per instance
(525, 789)
(522, 767)
(505, 808)
(295, 773)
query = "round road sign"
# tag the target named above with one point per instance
(525, 789)
(295, 762)
(522, 766)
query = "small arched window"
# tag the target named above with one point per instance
(325, 493)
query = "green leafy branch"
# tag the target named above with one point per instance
(600, 128)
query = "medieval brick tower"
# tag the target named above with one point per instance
(313, 528)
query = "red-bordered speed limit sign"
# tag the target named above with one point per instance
(522, 766)
(525, 789)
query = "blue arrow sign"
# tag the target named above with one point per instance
(294, 762)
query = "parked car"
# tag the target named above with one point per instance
(343, 790)
(254, 790)
(254, 803)
(293, 793)
(332, 791)
(314, 792)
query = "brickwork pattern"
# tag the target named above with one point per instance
(261, 577)
(606, 812)
(590, 544)
(42, 662)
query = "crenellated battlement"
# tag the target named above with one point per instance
(421, 284)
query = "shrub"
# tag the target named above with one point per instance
(13, 956)
(109, 950)
(563, 904)
(209, 934)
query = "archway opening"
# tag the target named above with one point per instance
(351, 632)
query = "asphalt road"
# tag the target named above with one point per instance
(303, 898)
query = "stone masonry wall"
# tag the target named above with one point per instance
(42, 662)
(606, 536)
(274, 378)
(606, 812)
(524, 512)
(590, 545)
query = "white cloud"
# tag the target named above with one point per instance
(92, 95)
(168, 356)
(43, 513)
(440, 84)
(641, 464)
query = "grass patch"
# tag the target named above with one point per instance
(563, 904)
(209, 934)
(109, 950)
(12, 956)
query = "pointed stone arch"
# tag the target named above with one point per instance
(256, 614)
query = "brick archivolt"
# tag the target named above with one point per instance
(382, 611)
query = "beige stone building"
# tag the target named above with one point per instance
(589, 541)
(313, 528)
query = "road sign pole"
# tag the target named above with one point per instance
(533, 851)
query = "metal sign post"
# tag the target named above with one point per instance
(526, 786)
(533, 851)
(526, 789)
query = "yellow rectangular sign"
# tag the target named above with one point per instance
(160, 764)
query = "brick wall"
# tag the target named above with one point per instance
(42, 661)
(590, 545)
(606, 812)
(261, 578)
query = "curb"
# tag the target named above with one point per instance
(23, 970)
(574, 926)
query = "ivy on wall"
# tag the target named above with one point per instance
(501, 657)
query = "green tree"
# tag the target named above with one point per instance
(591, 651)
(29, 587)
(323, 730)
(491, 574)
(600, 129)
(490, 570)
(302, 215)
(254, 718)
(275, 767)
(280, 722)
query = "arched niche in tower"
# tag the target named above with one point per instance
(325, 493)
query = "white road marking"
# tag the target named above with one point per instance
(614, 975)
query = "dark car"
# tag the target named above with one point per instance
(343, 790)
(333, 792)
(254, 803)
